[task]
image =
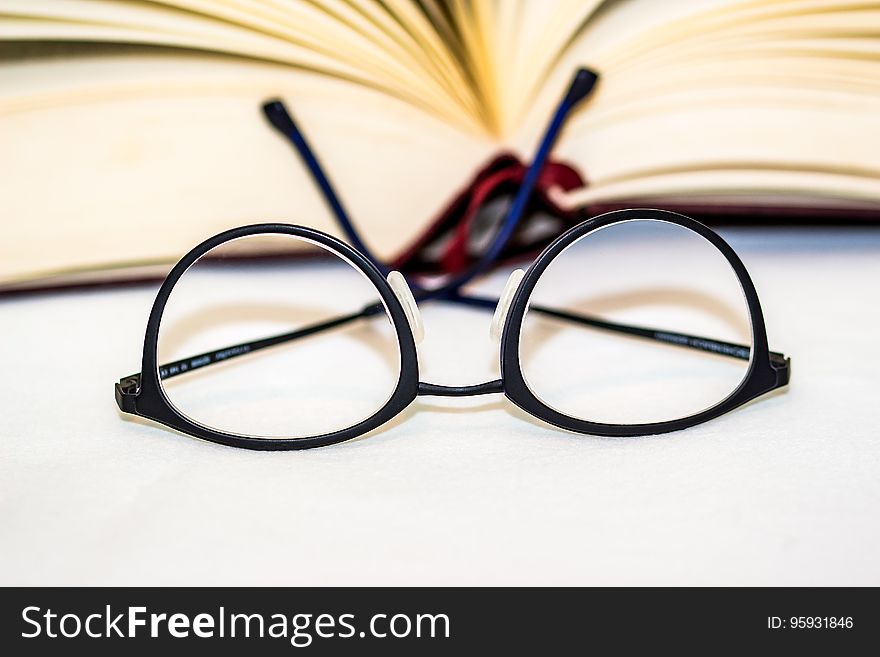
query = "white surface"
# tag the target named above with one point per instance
(455, 491)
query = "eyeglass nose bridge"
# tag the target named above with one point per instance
(504, 302)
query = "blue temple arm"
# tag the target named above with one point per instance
(282, 121)
(580, 88)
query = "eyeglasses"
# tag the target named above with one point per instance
(582, 372)
(281, 351)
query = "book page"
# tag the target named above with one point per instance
(144, 155)
(300, 34)
(726, 97)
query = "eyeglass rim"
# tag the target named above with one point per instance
(153, 403)
(760, 377)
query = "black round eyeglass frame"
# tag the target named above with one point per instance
(142, 394)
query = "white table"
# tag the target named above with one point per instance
(456, 491)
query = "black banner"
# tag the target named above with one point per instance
(431, 621)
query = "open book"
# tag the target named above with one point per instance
(131, 129)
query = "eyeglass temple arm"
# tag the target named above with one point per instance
(283, 122)
(168, 370)
(581, 87)
(741, 352)
(720, 347)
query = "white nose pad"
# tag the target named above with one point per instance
(504, 302)
(401, 290)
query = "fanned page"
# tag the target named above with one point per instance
(131, 129)
(147, 154)
(170, 146)
(333, 38)
(749, 103)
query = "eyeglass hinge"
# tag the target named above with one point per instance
(127, 391)
(782, 366)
